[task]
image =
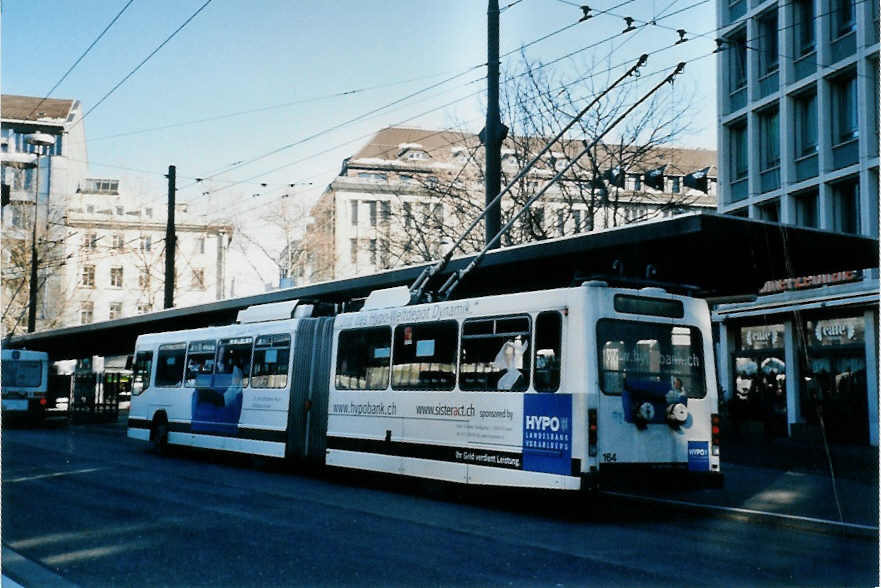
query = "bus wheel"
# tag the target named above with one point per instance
(159, 435)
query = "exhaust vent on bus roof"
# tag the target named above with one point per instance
(274, 311)
(388, 298)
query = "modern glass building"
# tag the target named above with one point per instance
(798, 143)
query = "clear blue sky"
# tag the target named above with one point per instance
(240, 55)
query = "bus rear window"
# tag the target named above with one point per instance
(651, 352)
(26, 374)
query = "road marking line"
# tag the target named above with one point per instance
(743, 510)
(53, 475)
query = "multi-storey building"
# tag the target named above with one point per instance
(408, 193)
(61, 167)
(798, 144)
(115, 255)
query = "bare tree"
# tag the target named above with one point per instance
(534, 106)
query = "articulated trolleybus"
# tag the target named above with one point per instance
(549, 389)
(25, 380)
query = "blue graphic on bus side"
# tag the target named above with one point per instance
(698, 456)
(217, 404)
(547, 433)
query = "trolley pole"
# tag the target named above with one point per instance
(493, 133)
(170, 240)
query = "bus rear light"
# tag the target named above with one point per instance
(42, 401)
(592, 432)
(716, 433)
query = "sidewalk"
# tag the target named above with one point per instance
(786, 481)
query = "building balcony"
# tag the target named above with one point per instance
(804, 66)
(806, 167)
(768, 84)
(845, 154)
(843, 46)
(769, 179)
(739, 190)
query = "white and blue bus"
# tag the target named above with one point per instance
(25, 381)
(548, 389)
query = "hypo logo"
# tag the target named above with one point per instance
(546, 423)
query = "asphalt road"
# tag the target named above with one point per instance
(98, 510)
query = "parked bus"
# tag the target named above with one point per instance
(546, 389)
(25, 380)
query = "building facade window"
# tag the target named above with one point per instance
(561, 221)
(769, 136)
(118, 241)
(353, 251)
(408, 215)
(144, 308)
(146, 242)
(737, 61)
(120, 211)
(88, 275)
(116, 277)
(846, 206)
(385, 213)
(806, 209)
(90, 241)
(770, 54)
(843, 12)
(739, 151)
(674, 184)
(115, 310)
(354, 213)
(373, 252)
(371, 206)
(805, 124)
(144, 279)
(201, 244)
(87, 312)
(770, 211)
(148, 212)
(844, 103)
(804, 27)
(439, 214)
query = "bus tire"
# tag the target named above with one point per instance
(159, 435)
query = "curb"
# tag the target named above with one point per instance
(23, 571)
(757, 516)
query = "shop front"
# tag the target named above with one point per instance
(802, 365)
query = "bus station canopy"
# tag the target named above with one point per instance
(702, 254)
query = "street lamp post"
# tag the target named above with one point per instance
(40, 141)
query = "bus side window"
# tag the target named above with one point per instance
(495, 354)
(548, 348)
(141, 371)
(271, 357)
(363, 357)
(234, 358)
(425, 356)
(200, 362)
(170, 365)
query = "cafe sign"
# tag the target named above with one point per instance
(761, 337)
(842, 331)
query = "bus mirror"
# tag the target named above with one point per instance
(128, 362)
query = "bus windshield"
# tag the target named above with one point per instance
(651, 352)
